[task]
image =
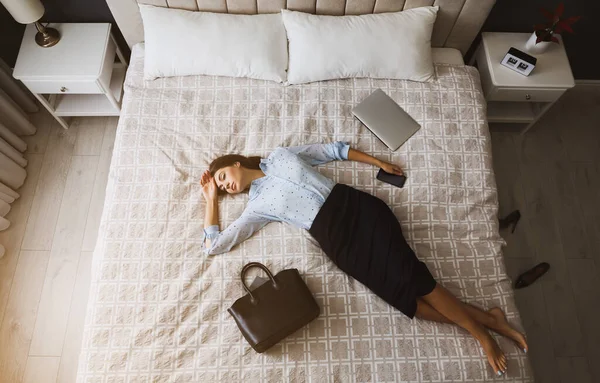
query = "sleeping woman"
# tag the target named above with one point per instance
(356, 230)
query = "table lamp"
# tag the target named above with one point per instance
(30, 11)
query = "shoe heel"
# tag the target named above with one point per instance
(514, 226)
(515, 220)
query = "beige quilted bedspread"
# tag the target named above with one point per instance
(158, 306)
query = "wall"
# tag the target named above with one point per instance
(11, 34)
(521, 15)
(506, 16)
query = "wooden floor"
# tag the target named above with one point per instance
(44, 276)
(552, 175)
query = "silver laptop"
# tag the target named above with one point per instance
(386, 119)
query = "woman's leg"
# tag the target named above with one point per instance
(426, 312)
(451, 308)
(494, 319)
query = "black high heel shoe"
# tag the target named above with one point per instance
(511, 219)
(531, 275)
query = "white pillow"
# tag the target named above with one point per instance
(386, 45)
(181, 43)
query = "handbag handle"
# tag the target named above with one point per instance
(260, 266)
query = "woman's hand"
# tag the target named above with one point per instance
(357, 155)
(391, 168)
(209, 187)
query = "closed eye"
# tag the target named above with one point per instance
(221, 178)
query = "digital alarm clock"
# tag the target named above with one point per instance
(519, 61)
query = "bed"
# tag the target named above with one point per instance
(157, 308)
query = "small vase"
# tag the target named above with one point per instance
(538, 48)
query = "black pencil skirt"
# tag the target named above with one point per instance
(362, 236)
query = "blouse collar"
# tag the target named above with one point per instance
(255, 185)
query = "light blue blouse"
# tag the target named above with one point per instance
(291, 191)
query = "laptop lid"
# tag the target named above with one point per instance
(386, 119)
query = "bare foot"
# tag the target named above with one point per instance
(496, 357)
(502, 327)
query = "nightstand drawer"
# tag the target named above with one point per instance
(58, 87)
(525, 94)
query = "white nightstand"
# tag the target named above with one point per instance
(512, 97)
(79, 76)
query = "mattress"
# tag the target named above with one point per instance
(158, 305)
(447, 56)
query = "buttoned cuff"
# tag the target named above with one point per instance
(211, 232)
(344, 151)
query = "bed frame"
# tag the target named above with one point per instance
(457, 24)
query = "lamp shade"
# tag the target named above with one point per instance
(24, 11)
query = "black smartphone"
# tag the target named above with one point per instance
(391, 179)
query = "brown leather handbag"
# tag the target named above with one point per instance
(275, 309)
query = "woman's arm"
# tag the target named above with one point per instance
(209, 191)
(211, 217)
(240, 230)
(318, 154)
(357, 155)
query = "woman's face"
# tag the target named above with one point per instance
(231, 179)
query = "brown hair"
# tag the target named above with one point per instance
(252, 162)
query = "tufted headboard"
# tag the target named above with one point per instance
(457, 24)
